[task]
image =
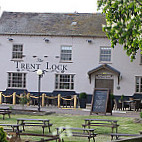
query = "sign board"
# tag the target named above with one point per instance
(100, 101)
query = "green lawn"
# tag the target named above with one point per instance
(126, 125)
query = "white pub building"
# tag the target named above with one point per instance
(71, 49)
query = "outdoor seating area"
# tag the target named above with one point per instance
(87, 130)
(130, 105)
(22, 122)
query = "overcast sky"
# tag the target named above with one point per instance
(80, 6)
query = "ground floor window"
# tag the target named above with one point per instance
(64, 81)
(16, 80)
(139, 84)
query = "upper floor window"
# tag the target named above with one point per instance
(64, 81)
(16, 80)
(105, 54)
(138, 84)
(17, 52)
(66, 53)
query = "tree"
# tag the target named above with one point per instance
(123, 24)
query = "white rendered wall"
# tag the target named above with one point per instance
(85, 57)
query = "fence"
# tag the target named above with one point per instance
(45, 99)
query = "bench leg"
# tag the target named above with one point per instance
(49, 129)
(9, 115)
(93, 139)
(88, 139)
(43, 130)
(112, 129)
(23, 128)
(3, 116)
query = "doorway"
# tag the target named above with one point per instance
(104, 83)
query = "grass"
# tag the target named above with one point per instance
(127, 125)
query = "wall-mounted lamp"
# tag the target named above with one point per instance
(10, 39)
(34, 56)
(46, 40)
(89, 41)
(57, 56)
(45, 56)
(118, 87)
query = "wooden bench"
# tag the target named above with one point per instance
(5, 111)
(50, 137)
(78, 132)
(117, 135)
(14, 130)
(101, 122)
(34, 122)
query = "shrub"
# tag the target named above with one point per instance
(112, 96)
(83, 95)
(122, 97)
(2, 135)
(23, 99)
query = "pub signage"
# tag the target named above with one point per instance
(21, 66)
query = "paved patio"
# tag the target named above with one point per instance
(72, 111)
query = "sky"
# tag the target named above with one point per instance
(51, 6)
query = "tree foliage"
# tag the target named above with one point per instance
(123, 24)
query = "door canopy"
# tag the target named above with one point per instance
(104, 67)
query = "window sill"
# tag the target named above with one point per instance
(105, 62)
(20, 60)
(64, 90)
(15, 88)
(66, 61)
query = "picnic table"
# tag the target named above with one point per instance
(78, 132)
(14, 130)
(4, 111)
(101, 122)
(34, 122)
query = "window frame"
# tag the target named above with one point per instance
(139, 84)
(109, 55)
(58, 82)
(17, 53)
(17, 83)
(65, 54)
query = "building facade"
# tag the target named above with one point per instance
(71, 49)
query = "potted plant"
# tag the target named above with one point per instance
(122, 98)
(24, 100)
(83, 99)
(112, 101)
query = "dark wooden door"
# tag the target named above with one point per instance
(104, 83)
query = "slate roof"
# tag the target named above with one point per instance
(62, 24)
(104, 66)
